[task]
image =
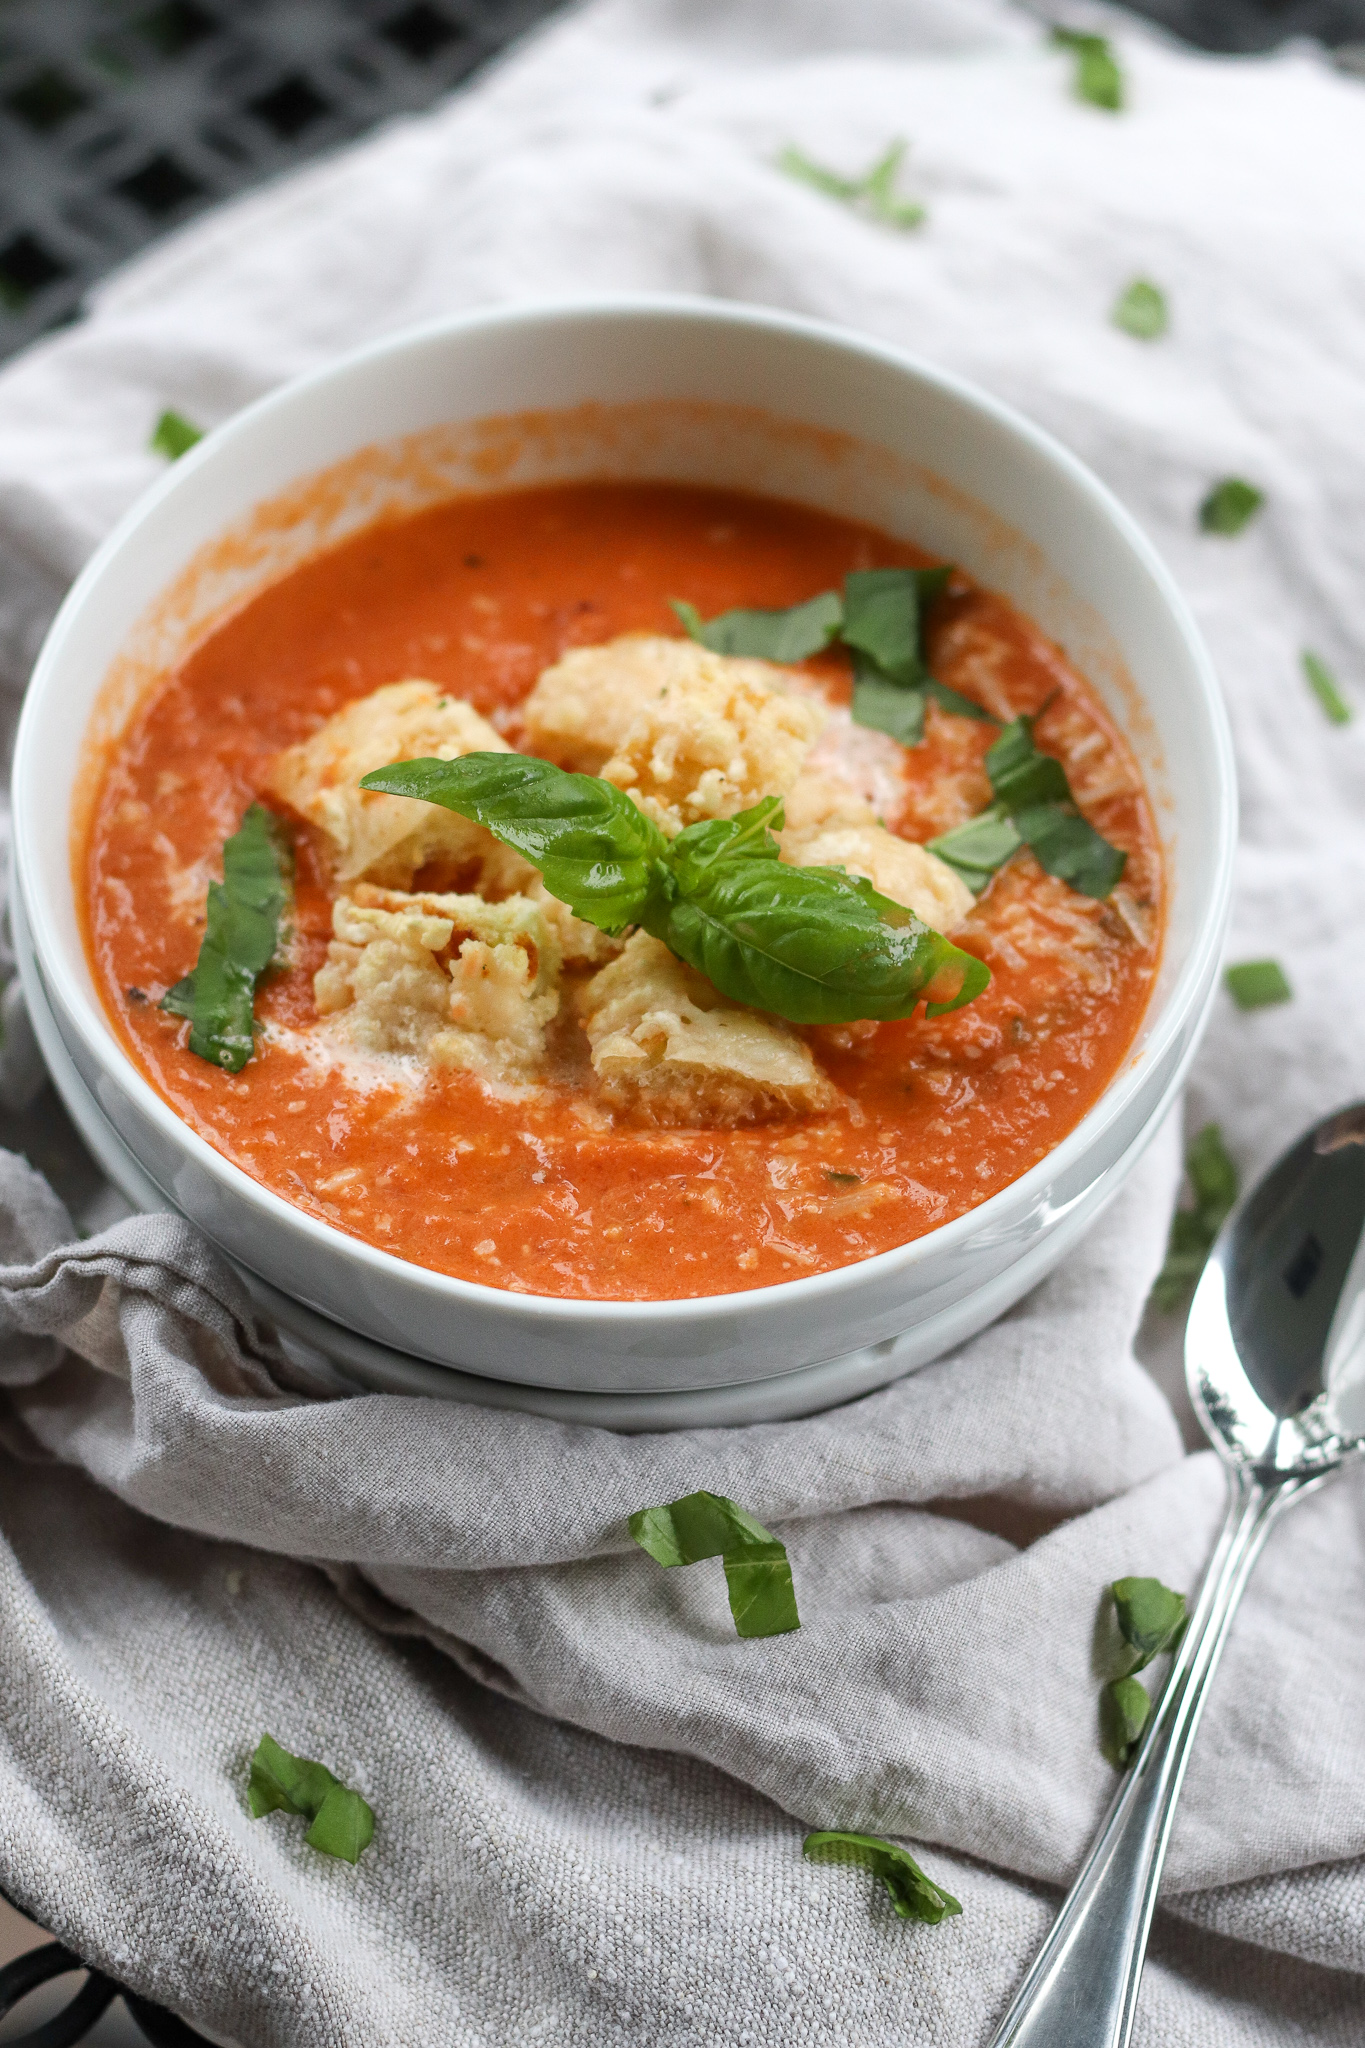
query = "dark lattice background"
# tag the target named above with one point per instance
(118, 121)
(121, 118)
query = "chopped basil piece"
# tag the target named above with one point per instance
(342, 1822)
(914, 1896)
(885, 706)
(975, 850)
(1229, 505)
(1098, 78)
(1125, 1709)
(757, 1573)
(1323, 684)
(880, 619)
(873, 194)
(1151, 1620)
(1034, 807)
(814, 945)
(883, 614)
(241, 935)
(790, 635)
(1141, 311)
(1256, 984)
(174, 436)
(1213, 1182)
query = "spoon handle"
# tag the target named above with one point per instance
(1081, 1991)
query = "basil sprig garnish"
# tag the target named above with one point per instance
(814, 945)
(914, 1896)
(758, 1576)
(342, 1822)
(879, 618)
(1033, 807)
(241, 934)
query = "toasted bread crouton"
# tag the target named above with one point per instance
(897, 868)
(818, 799)
(459, 981)
(387, 839)
(669, 1045)
(689, 734)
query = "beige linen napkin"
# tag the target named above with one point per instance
(590, 1794)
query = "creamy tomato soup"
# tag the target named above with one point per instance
(450, 1066)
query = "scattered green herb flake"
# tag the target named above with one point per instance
(843, 1180)
(814, 945)
(1214, 1185)
(1125, 1709)
(758, 1575)
(342, 1822)
(174, 436)
(1151, 1620)
(884, 706)
(1140, 310)
(914, 1896)
(873, 194)
(1323, 684)
(242, 927)
(1097, 78)
(785, 636)
(1256, 984)
(1230, 505)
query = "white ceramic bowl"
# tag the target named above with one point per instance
(700, 392)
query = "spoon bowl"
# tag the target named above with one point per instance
(1275, 1362)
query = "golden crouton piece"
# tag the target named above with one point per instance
(687, 733)
(897, 868)
(459, 981)
(818, 799)
(388, 838)
(667, 1043)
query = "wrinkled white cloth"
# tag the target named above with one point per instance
(590, 1794)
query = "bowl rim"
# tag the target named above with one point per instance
(87, 1014)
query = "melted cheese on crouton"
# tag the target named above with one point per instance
(453, 979)
(897, 868)
(387, 839)
(668, 1043)
(687, 733)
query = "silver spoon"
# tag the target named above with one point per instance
(1275, 1362)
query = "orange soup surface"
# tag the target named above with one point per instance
(552, 1188)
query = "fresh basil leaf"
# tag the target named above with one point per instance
(886, 706)
(1125, 1709)
(1323, 684)
(783, 636)
(815, 945)
(1098, 78)
(1068, 846)
(748, 835)
(342, 1822)
(1213, 1182)
(1151, 1620)
(1140, 310)
(174, 436)
(1229, 506)
(975, 850)
(757, 1572)
(914, 1895)
(596, 850)
(1256, 984)
(1020, 775)
(883, 618)
(241, 934)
